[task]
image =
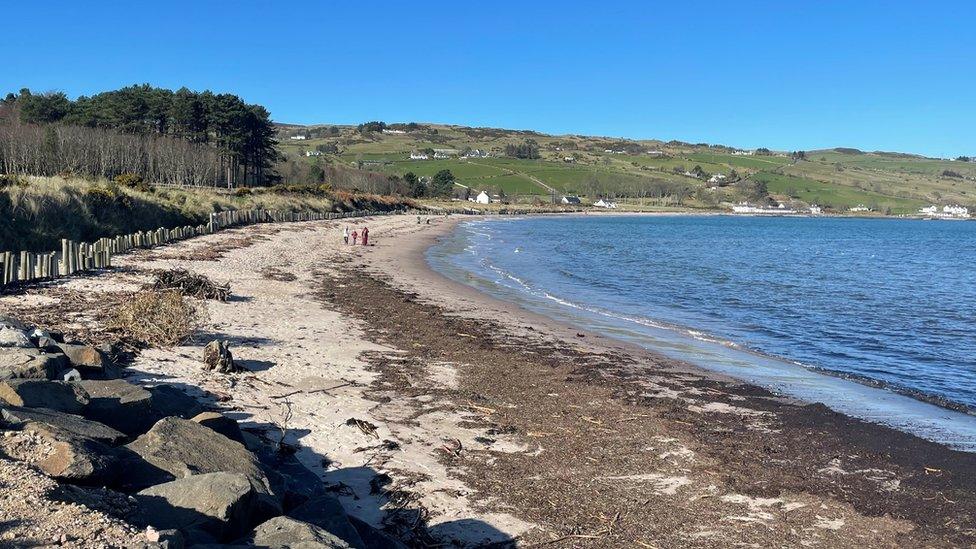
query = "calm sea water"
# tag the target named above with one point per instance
(893, 301)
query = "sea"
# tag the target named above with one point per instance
(875, 318)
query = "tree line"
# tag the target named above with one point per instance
(241, 136)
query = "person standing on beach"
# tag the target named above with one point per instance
(355, 236)
(365, 236)
(345, 235)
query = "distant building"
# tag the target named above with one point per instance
(569, 159)
(743, 153)
(605, 203)
(313, 153)
(476, 153)
(815, 210)
(860, 208)
(717, 179)
(418, 156)
(569, 199)
(746, 208)
(299, 137)
(956, 211)
(947, 211)
(483, 198)
(440, 155)
(394, 132)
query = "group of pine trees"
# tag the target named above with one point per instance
(183, 137)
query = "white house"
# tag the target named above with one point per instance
(440, 155)
(955, 211)
(815, 210)
(569, 199)
(483, 198)
(605, 203)
(418, 156)
(569, 159)
(313, 153)
(394, 132)
(717, 179)
(860, 208)
(929, 210)
(298, 137)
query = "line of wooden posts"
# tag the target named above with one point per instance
(74, 256)
(84, 256)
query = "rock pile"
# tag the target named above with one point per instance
(195, 478)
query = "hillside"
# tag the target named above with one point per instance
(648, 171)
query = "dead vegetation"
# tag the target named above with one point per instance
(274, 273)
(156, 318)
(190, 284)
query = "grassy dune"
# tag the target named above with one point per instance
(43, 210)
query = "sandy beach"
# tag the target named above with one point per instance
(444, 416)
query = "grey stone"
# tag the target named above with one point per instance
(206, 508)
(13, 337)
(23, 363)
(10, 322)
(119, 404)
(220, 424)
(284, 532)
(178, 448)
(169, 401)
(78, 426)
(35, 393)
(374, 538)
(73, 458)
(327, 513)
(91, 362)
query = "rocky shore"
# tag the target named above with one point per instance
(357, 399)
(175, 474)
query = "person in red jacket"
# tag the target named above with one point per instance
(365, 236)
(355, 236)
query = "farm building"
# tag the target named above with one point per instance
(569, 199)
(418, 156)
(483, 198)
(605, 203)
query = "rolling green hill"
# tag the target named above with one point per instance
(647, 171)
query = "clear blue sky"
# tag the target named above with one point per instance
(893, 75)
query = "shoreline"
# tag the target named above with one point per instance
(681, 333)
(490, 424)
(407, 270)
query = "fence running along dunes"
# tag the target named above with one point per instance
(75, 257)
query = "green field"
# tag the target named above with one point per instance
(839, 197)
(835, 178)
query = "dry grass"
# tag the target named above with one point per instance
(156, 318)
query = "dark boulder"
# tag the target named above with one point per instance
(33, 393)
(220, 424)
(178, 448)
(284, 532)
(374, 538)
(91, 362)
(24, 363)
(119, 404)
(73, 458)
(205, 508)
(78, 426)
(327, 513)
